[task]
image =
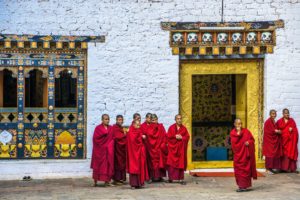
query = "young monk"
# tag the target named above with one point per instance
(145, 129)
(120, 151)
(242, 143)
(145, 126)
(177, 141)
(136, 116)
(272, 148)
(157, 149)
(289, 134)
(103, 152)
(136, 156)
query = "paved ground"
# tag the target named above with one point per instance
(280, 186)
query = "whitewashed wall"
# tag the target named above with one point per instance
(134, 71)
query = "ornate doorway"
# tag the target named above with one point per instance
(43, 96)
(226, 55)
(212, 94)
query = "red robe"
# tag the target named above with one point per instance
(145, 128)
(289, 143)
(136, 155)
(120, 153)
(157, 150)
(272, 147)
(243, 157)
(103, 153)
(177, 149)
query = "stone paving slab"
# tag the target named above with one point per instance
(273, 187)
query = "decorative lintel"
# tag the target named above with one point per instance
(216, 38)
(47, 41)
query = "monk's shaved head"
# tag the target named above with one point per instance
(178, 119)
(178, 115)
(273, 114)
(286, 113)
(237, 120)
(105, 119)
(238, 124)
(148, 115)
(136, 116)
(104, 116)
(285, 110)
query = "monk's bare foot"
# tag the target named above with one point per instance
(169, 181)
(241, 190)
(108, 184)
(118, 183)
(149, 182)
(182, 182)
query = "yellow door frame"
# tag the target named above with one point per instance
(253, 69)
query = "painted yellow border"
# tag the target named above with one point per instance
(254, 71)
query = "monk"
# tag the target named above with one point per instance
(103, 152)
(136, 116)
(289, 134)
(145, 129)
(272, 148)
(177, 141)
(120, 151)
(136, 156)
(157, 149)
(145, 126)
(243, 147)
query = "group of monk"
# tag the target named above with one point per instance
(146, 151)
(280, 149)
(280, 143)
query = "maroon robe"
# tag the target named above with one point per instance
(177, 152)
(157, 150)
(272, 147)
(103, 154)
(289, 143)
(136, 158)
(243, 157)
(120, 153)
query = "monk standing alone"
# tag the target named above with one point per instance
(103, 152)
(177, 141)
(242, 143)
(272, 147)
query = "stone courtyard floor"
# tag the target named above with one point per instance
(280, 186)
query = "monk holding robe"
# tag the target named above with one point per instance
(242, 143)
(177, 141)
(120, 151)
(136, 156)
(103, 152)
(272, 148)
(289, 134)
(157, 149)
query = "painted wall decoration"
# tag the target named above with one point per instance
(212, 98)
(50, 130)
(216, 38)
(211, 113)
(8, 143)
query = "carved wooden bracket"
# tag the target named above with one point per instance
(213, 38)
